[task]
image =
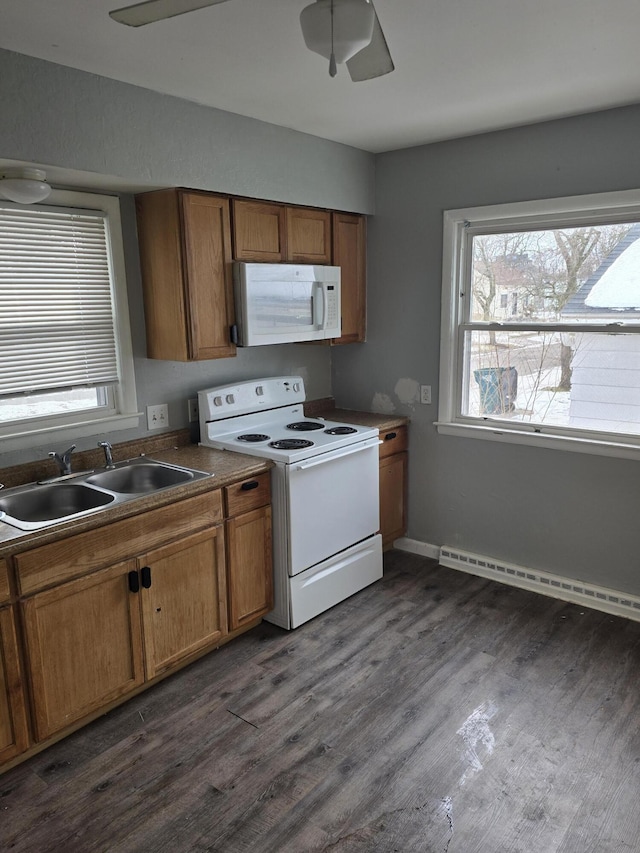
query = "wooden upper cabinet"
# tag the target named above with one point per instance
(259, 231)
(275, 233)
(350, 254)
(185, 254)
(308, 235)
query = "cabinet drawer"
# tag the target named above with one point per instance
(393, 441)
(4, 582)
(248, 494)
(76, 555)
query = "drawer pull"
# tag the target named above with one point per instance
(145, 575)
(134, 582)
(246, 487)
(390, 435)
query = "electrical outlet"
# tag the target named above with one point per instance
(193, 410)
(425, 394)
(158, 416)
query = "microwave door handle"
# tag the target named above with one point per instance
(319, 305)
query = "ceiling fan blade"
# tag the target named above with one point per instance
(374, 60)
(157, 10)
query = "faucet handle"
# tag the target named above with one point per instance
(63, 460)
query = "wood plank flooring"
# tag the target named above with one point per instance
(434, 712)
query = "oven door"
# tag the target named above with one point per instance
(333, 502)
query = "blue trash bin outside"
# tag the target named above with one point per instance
(498, 389)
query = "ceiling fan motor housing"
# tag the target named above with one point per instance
(352, 30)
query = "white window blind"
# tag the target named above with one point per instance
(56, 310)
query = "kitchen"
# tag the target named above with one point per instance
(55, 115)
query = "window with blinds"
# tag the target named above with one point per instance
(56, 313)
(65, 346)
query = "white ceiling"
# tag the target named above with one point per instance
(462, 66)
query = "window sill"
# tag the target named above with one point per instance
(69, 431)
(497, 432)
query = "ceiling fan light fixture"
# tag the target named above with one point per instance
(24, 186)
(350, 31)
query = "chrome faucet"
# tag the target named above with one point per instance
(64, 461)
(108, 456)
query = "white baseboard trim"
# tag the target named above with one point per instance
(555, 586)
(546, 583)
(413, 546)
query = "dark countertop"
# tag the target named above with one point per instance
(371, 419)
(226, 468)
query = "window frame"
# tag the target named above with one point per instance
(459, 226)
(122, 412)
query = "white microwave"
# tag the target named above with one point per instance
(285, 303)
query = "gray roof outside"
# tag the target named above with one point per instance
(614, 288)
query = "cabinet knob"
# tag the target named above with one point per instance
(145, 576)
(252, 484)
(390, 435)
(134, 582)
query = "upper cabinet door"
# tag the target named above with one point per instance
(209, 282)
(308, 235)
(259, 231)
(350, 254)
(185, 255)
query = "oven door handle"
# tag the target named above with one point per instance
(336, 454)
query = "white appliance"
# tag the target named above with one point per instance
(324, 485)
(285, 303)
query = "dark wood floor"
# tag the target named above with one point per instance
(434, 712)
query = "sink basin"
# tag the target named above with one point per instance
(38, 506)
(140, 477)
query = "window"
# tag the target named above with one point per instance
(65, 349)
(541, 323)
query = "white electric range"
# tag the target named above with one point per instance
(324, 487)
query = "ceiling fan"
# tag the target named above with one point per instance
(340, 30)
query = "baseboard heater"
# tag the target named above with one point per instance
(555, 586)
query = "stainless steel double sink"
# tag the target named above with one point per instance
(44, 504)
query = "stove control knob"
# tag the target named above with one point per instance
(296, 386)
(259, 390)
(230, 398)
(217, 401)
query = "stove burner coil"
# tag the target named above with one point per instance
(305, 426)
(340, 430)
(290, 443)
(253, 436)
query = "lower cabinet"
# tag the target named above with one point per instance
(108, 609)
(249, 559)
(250, 569)
(393, 485)
(84, 646)
(14, 734)
(85, 638)
(183, 599)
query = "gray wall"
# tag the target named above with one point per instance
(92, 132)
(569, 513)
